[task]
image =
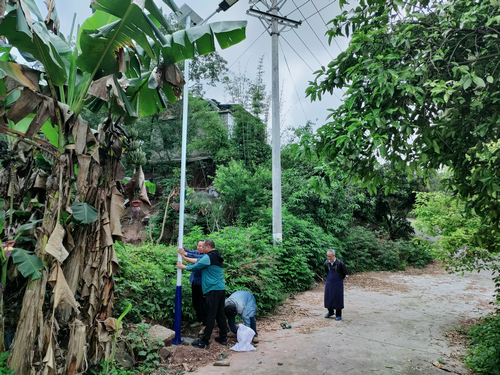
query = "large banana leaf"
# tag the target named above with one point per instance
(35, 40)
(27, 263)
(124, 24)
(146, 101)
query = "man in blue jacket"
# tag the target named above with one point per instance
(242, 303)
(214, 289)
(195, 280)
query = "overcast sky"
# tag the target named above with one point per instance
(302, 50)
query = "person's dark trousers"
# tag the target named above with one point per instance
(253, 324)
(198, 303)
(337, 312)
(215, 300)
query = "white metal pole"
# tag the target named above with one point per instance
(178, 293)
(276, 145)
(185, 98)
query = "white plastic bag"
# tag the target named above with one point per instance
(245, 335)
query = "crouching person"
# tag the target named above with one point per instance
(242, 303)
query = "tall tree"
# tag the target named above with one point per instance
(422, 82)
(249, 139)
(250, 94)
(207, 70)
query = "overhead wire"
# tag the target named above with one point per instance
(326, 6)
(293, 11)
(248, 48)
(317, 11)
(307, 47)
(235, 61)
(293, 82)
(312, 70)
(302, 14)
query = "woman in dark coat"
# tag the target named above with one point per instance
(336, 272)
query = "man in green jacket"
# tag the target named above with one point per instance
(214, 288)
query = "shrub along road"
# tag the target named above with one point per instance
(393, 323)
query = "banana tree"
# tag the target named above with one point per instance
(124, 65)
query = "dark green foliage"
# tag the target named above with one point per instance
(361, 250)
(483, 354)
(145, 347)
(244, 191)
(331, 210)
(364, 251)
(422, 80)
(251, 264)
(212, 136)
(4, 370)
(249, 139)
(210, 212)
(388, 209)
(303, 239)
(147, 275)
(294, 270)
(147, 279)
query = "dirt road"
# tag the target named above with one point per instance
(393, 323)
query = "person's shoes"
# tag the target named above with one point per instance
(255, 339)
(231, 335)
(328, 315)
(201, 344)
(220, 340)
(195, 324)
(338, 318)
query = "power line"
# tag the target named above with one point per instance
(248, 48)
(307, 47)
(317, 11)
(293, 82)
(293, 11)
(312, 70)
(326, 49)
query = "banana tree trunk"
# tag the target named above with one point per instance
(81, 284)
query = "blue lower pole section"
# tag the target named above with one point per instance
(177, 318)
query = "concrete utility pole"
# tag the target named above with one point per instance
(272, 23)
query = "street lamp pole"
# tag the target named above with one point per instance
(224, 5)
(178, 291)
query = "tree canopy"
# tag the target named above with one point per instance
(422, 93)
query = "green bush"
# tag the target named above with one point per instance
(300, 237)
(361, 250)
(483, 354)
(244, 191)
(147, 279)
(250, 264)
(4, 370)
(147, 276)
(364, 251)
